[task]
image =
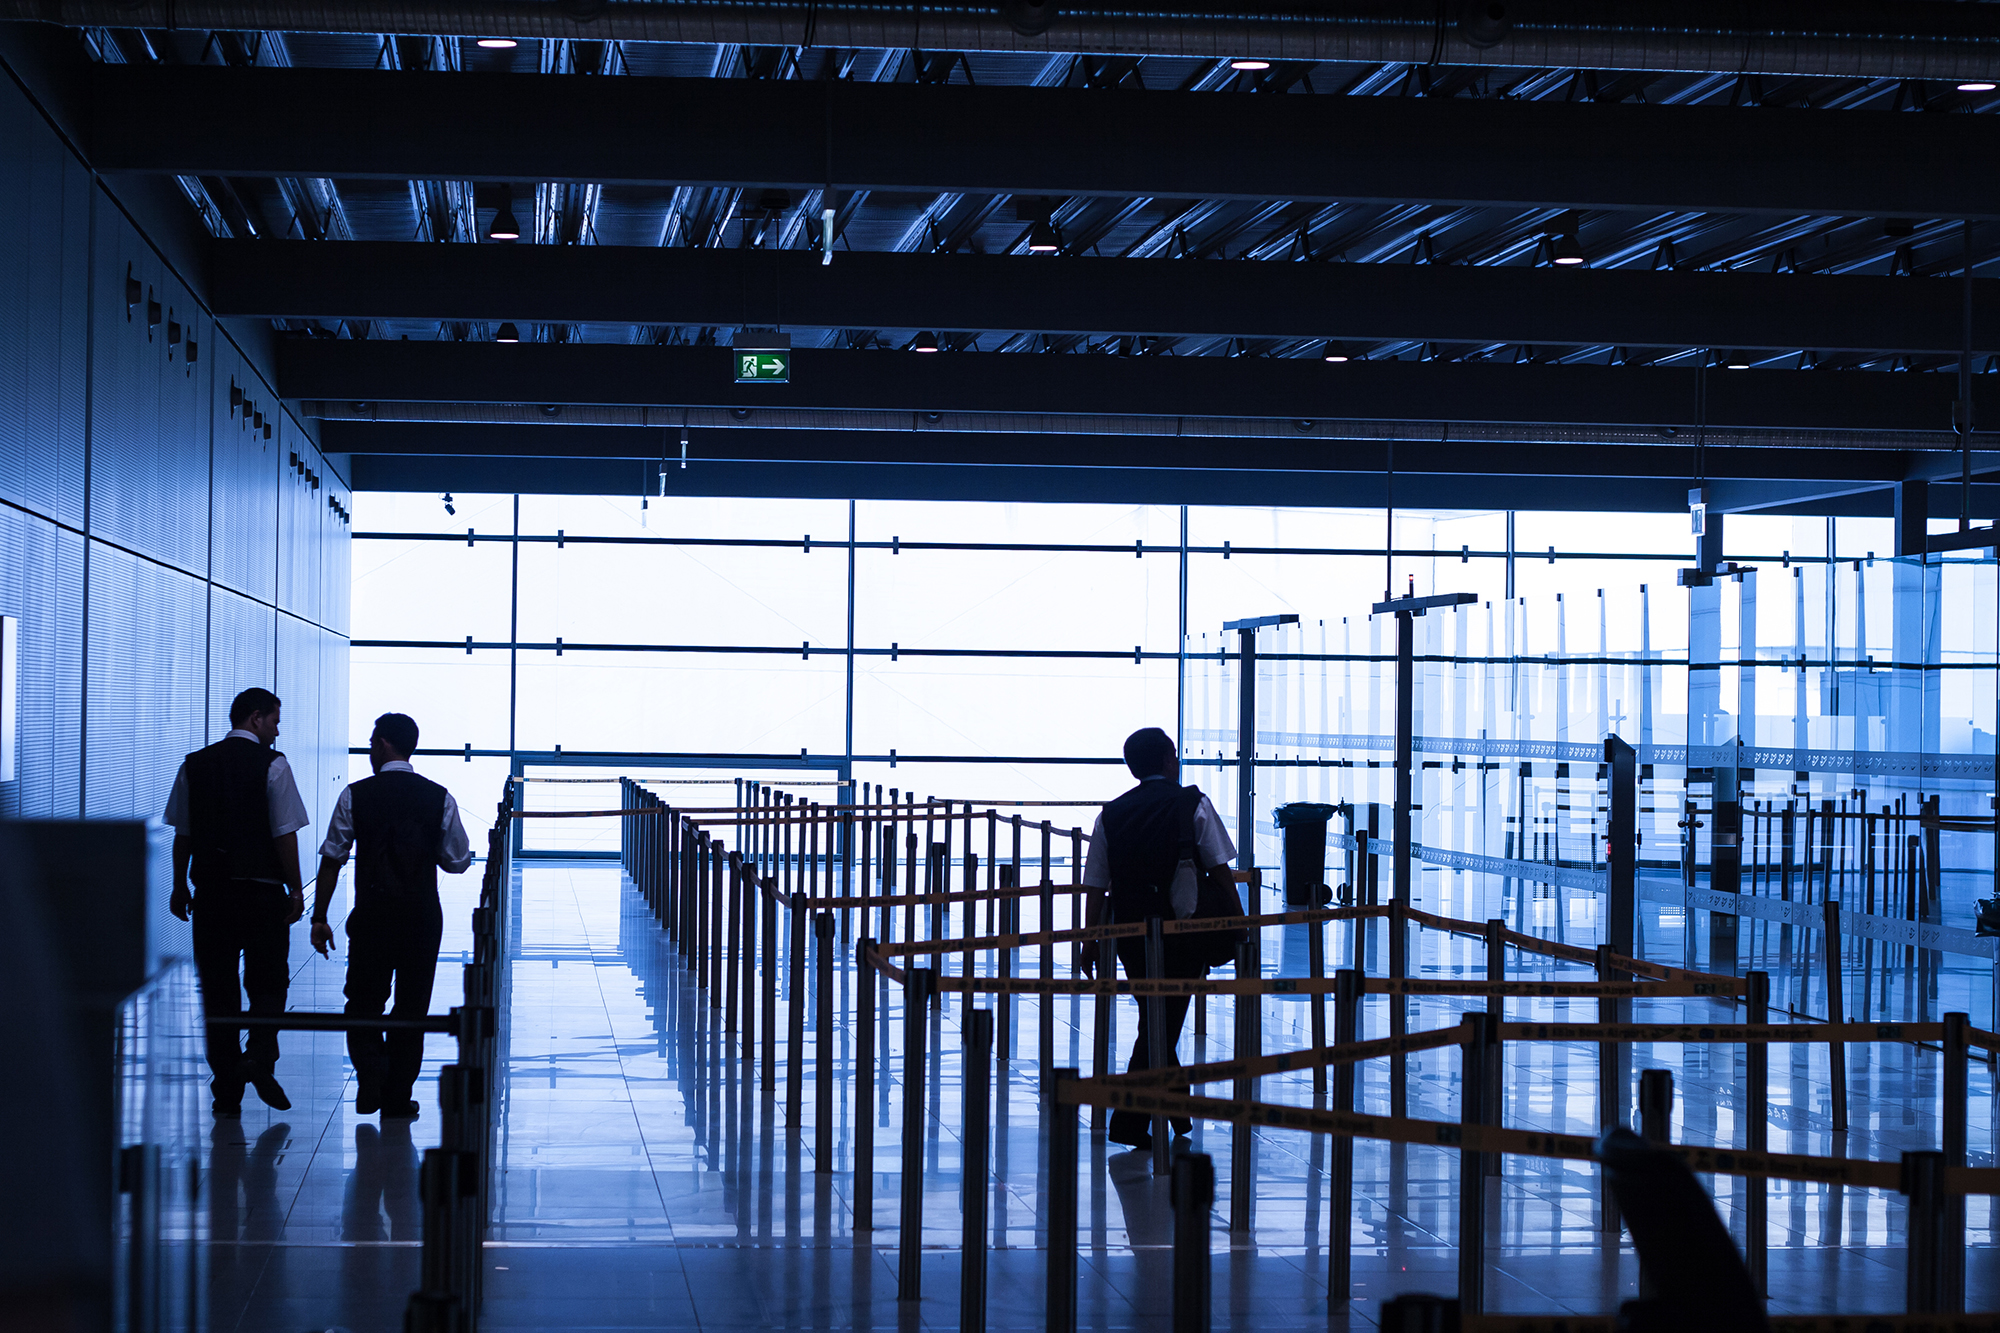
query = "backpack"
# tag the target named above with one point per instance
(1204, 891)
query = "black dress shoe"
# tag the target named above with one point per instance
(269, 1090)
(401, 1111)
(367, 1100)
(1139, 1137)
(228, 1110)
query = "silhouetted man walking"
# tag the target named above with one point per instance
(404, 828)
(236, 813)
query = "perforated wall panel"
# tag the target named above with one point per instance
(242, 651)
(146, 680)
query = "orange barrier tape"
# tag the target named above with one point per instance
(1736, 1033)
(1353, 1052)
(1473, 1138)
(1984, 1040)
(1723, 988)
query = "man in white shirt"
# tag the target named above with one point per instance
(236, 813)
(1135, 848)
(406, 829)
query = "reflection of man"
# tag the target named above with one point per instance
(236, 814)
(1134, 850)
(405, 828)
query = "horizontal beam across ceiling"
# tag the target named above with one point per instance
(1911, 39)
(688, 287)
(350, 371)
(1043, 142)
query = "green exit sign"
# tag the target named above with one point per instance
(763, 367)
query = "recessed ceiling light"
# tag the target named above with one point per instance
(498, 43)
(1249, 63)
(1978, 86)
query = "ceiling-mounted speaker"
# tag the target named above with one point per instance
(1483, 24)
(1030, 18)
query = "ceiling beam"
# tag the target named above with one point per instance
(1916, 39)
(593, 284)
(934, 139)
(1424, 393)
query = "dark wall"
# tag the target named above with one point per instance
(160, 549)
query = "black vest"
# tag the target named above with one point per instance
(398, 833)
(229, 813)
(1143, 830)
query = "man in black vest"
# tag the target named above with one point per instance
(407, 829)
(1134, 850)
(236, 815)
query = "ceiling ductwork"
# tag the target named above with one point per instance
(996, 423)
(1915, 39)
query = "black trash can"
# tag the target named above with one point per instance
(1304, 825)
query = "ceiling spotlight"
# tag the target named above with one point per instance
(503, 227)
(1736, 361)
(498, 43)
(1042, 239)
(1335, 352)
(1249, 63)
(449, 508)
(1978, 86)
(1564, 250)
(507, 333)
(924, 342)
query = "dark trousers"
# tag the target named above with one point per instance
(242, 943)
(1173, 1013)
(384, 955)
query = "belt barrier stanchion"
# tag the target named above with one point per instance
(1956, 1083)
(1656, 1118)
(1061, 1118)
(1010, 924)
(795, 1027)
(1836, 1012)
(692, 855)
(1316, 1005)
(1923, 1184)
(1045, 1005)
(910, 1224)
(1241, 1146)
(1757, 1134)
(1399, 1006)
(718, 946)
(1610, 1094)
(675, 857)
(1496, 1008)
(1472, 1168)
(1157, 1051)
(868, 986)
(973, 1175)
(1193, 1195)
(1340, 1229)
(772, 961)
(823, 1058)
(732, 973)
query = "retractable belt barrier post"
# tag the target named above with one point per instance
(978, 1106)
(823, 1057)
(1193, 1198)
(1059, 1114)
(910, 1226)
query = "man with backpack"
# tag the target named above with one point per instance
(1137, 851)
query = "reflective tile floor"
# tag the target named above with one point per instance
(649, 1178)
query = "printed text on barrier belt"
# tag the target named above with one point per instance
(1514, 1142)
(1193, 925)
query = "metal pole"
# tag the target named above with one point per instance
(1496, 1008)
(1656, 1112)
(1757, 1133)
(1621, 844)
(1045, 1004)
(771, 961)
(1923, 1183)
(1246, 749)
(1061, 1118)
(1611, 1084)
(1156, 1036)
(1193, 1196)
(1406, 677)
(1399, 1007)
(823, 1059)
(1340, 1229)
(1242, 1147)
(795, 1027)
(865, 1075)
(1472, 1169)
(910, 1224)
(973, 1174)
(1316, 1013)
(1836, 1012)
(1953, 1137)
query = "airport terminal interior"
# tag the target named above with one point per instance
(785, 457)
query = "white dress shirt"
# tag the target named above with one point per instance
(1209, 837)
(454, 853)
(281, 797)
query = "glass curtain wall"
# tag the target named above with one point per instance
(995, 652)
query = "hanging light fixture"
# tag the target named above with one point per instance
(924, 342)
(507, 333)
(1565, 251)
(1249, 63)
(449, 507)
(1978, 86)
(1335, 352)
(503, 227)
(1736, 360)
(498, 43)
(1042, 239)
